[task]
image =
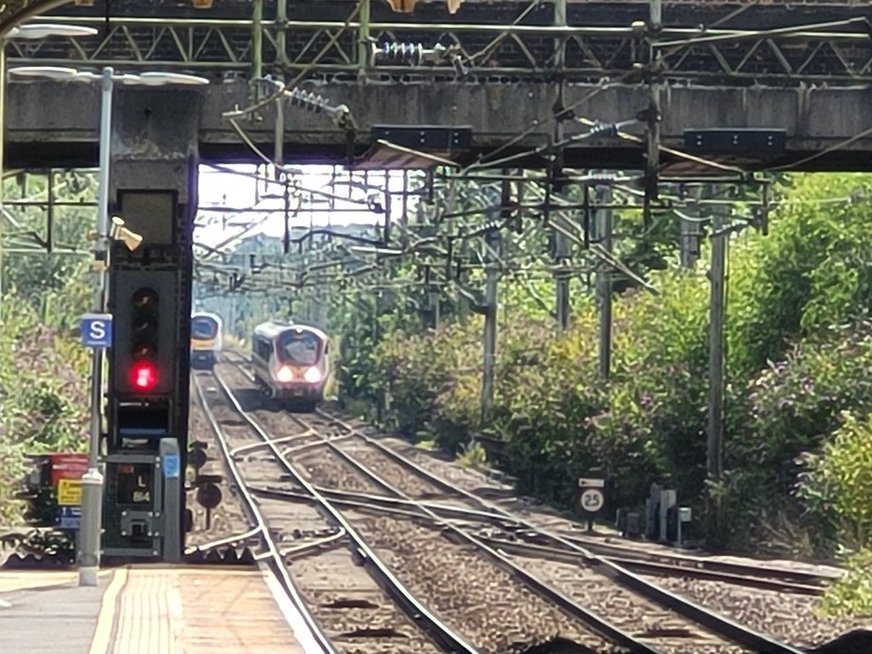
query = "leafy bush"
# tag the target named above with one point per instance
(416, 369)
(838, 480)
(473, 455)
(557, 431)
(790, 408)
(790, 373)
(852, 594)
(43, 393)
(808, 272)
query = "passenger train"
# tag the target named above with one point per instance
(206, 340)
(290, 362)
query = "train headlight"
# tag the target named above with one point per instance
(312, 375)
(285, 374)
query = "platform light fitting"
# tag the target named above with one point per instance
(118, 232)
(35, 31)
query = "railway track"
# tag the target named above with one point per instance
(409, 486)
(299, 531)
(524, 535)
(512, 538)
(354, 526)
(342, 460)
(661, 562)
(271, 555)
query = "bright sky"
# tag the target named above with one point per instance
(223, 193)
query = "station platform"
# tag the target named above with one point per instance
(148, 610)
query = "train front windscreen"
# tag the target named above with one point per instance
(299, 349)
(203, 328)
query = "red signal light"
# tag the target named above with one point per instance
(143, 376)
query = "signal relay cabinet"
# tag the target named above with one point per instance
(142, 503)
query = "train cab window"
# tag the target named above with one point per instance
(262, 349)
(203, 328)
(299, 349)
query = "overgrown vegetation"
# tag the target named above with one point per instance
(43, 367)
(799, 358)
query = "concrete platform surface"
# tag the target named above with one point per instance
(145, 610)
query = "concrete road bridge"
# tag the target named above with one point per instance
(758, 86)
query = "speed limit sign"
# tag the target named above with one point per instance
(591, 495)
(592, 500)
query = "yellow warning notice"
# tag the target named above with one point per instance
(70, 492)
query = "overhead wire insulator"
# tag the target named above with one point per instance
(309, 100)
(603, 129)
(415, 54)
(399, 53)
(316, 103)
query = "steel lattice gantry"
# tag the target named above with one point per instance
(704, 42)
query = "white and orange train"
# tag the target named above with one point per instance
(290, 361)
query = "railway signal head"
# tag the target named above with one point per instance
(145, 335)
(144, 326)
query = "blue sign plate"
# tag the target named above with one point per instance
(171, 466)
(69, 517)
(97, 330)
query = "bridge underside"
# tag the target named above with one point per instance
(54, 124)
(812, 86)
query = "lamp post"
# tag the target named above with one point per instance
(32, 32)
(92, 480)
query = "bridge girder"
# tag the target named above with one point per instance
(711, 42)
(42, 131)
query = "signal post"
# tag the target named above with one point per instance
(153, 188)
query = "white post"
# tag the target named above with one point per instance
(92, 480)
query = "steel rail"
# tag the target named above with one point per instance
(713, 566)
(592, 620)
(780, 580)
(276, 562)
(652, 567)
(691, 610)
(221, 542)
(294, 496)
(612, 551)
(416, 611)
(380, 502)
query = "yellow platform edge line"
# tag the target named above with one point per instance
(101, 641)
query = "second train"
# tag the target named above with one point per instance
(206, 339)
